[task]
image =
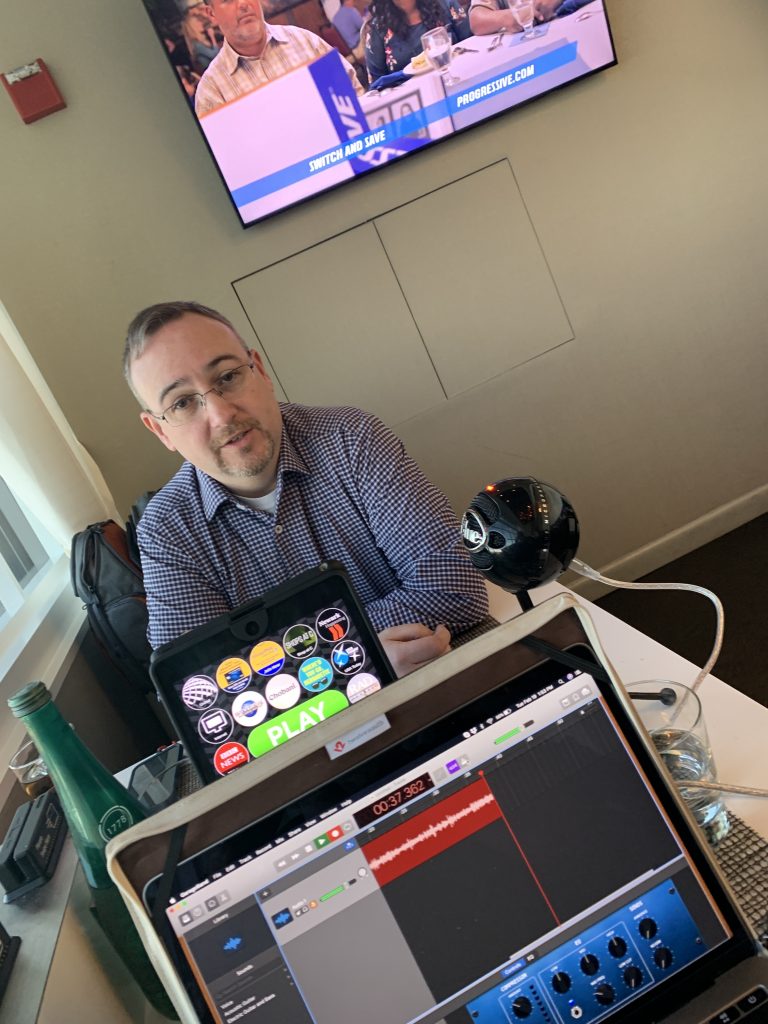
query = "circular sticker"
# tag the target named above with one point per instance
(114, 821)
(282, 692)
(316, 675)
(267, 658)
(332, 625)
(215, 726)
(230, 756)
(249, 708)
(348, 657)
(299, 641)
(363, 685)
(233, 675)
(199, 692)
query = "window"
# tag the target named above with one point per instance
(23, 554)
(50, 488)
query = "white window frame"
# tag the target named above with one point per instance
(38, 545)
(59, 490)
(26, 604)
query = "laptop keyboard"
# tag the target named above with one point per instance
(188, 781)
(751, 1008)
(743, 859)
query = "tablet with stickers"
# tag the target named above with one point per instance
(267, 671)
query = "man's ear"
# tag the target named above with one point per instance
(156, 427)
(258, 364)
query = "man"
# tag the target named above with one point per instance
(254, 53)
(269, 490)
(348, 22)
(489, 16)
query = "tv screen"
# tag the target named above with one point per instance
(295, 97)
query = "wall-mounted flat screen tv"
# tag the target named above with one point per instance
(295, 97)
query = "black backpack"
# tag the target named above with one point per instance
(106, 576)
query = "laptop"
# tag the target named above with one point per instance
(518, 855)
(252, 679)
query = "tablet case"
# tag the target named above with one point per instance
(139, 854)
(253, 678)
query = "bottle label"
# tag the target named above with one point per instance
(114, 821)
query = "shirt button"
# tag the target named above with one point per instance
(278, 529)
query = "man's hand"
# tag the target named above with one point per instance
(483, 21)
(410, 646)
(545, 9)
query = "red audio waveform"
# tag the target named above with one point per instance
(429, 833)
(432, 832)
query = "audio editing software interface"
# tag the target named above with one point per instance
(523, 872)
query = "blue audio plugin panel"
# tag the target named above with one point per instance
(606, 965)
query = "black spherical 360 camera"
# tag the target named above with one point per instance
(520, 533)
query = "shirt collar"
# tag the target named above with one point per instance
(231, 58)
(214, 495)
(290, 460)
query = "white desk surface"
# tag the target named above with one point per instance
(737, 725)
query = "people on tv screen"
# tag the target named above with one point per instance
(396, 27)
(253, 53)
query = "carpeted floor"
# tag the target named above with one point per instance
(735, 567)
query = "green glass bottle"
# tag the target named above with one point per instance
(97, 808)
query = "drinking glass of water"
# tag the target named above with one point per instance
(438, 46)
(672, 715)
(524, 12)
(30, 769)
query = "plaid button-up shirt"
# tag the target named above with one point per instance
(346, 490)
(229, 75)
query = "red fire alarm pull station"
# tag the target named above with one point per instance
(33, 91)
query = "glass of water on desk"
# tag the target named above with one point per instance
(438, 46)
(673, 717)
(525, 12)
(30, 769)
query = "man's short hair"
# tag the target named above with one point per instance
(150, 320)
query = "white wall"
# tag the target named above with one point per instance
(645, 186)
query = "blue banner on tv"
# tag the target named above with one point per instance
(367, 149)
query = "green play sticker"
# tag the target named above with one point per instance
(295, 721)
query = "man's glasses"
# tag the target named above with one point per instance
(186, 408)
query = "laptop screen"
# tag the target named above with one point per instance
(511, 862)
